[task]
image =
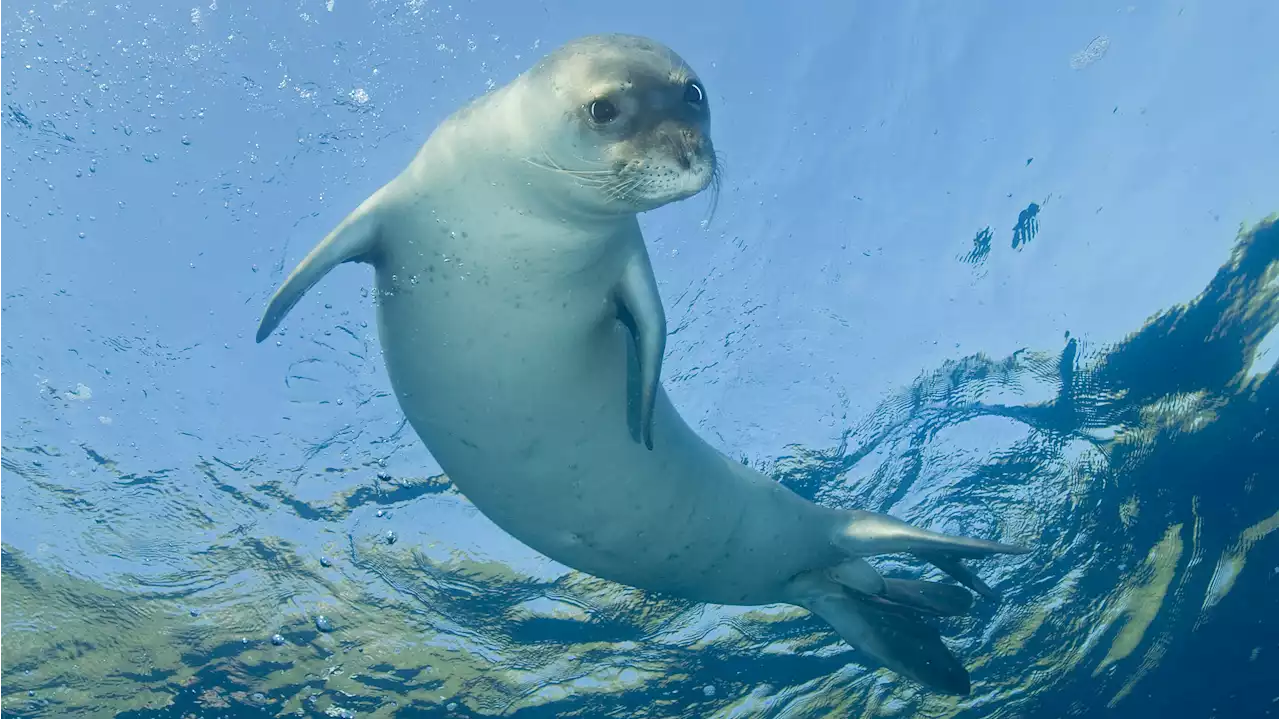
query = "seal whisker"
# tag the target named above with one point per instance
(716, 178)
(582, 159)
(676, 151)
(586, 174)
(624, 189)
(552, 163)
(722, 164)
(616, 190)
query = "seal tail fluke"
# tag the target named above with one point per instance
(353, 240)
(892, 636)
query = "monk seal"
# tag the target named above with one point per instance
(523, 334)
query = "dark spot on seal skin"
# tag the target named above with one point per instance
(468, 443)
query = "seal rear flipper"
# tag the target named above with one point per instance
(944, 600)
(894, 637)
(956, 569)
(353, 240)
(640, 309)
(868, 533)
(935, 598)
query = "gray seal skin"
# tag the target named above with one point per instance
(523, 335)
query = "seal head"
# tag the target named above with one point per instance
(635, 124)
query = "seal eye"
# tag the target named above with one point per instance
(603, 111)
(693, 93)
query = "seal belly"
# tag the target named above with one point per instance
(524, 405)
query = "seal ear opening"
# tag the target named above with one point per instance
(353, 240)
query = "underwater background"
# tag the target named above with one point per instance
(1006, 270)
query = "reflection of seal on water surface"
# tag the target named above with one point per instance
(524, 336)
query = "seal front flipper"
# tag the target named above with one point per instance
(353, 240)
(640, 309)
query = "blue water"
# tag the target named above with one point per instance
(1002, 270)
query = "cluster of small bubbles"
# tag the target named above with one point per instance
(709, 690)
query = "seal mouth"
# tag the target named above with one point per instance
(646, 182)
(649, 182)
